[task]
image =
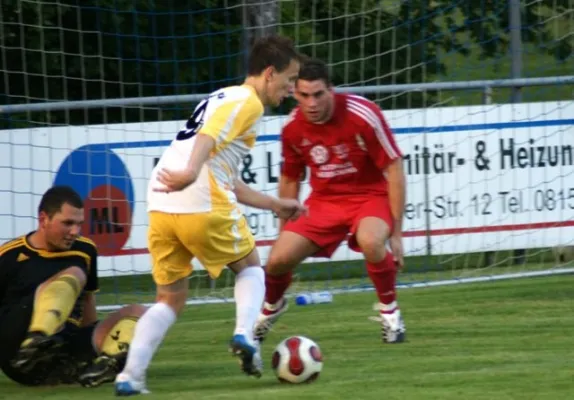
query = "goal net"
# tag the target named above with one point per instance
(91, 93)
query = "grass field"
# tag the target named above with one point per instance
(504, 340)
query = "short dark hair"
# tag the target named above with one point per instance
(314, 69)
(55, 197)
(271, 51)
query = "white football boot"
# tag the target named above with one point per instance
(268, 316)
(393, 328)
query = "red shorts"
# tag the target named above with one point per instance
(330, 221)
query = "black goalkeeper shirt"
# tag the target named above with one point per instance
(24, 268)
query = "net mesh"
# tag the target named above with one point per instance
(461, 221)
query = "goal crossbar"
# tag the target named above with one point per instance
(400, 88)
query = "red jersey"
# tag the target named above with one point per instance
(346, 155)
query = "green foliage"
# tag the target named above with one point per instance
(116, 49)
(97, 49)
(370, 46)
(387, 42)
(487, 24)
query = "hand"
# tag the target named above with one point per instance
(289, 209)
(396, 244)
(174, 181)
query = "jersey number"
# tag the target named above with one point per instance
(194, 123)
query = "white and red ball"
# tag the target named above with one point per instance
(297, 359)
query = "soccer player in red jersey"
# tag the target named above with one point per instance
(358, 188)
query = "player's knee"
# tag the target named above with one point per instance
(279, 263)
(79, 273)
(76, 272)
(175, 301)
(174, 295)
(133, 311)
(173, 298)
(371, 236)
(373, 248)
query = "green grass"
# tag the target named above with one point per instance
(503, 340)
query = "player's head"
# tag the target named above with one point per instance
(273, 65)
(314, 91)
(61, 215)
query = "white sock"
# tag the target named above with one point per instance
(249, 297)
(148, 335)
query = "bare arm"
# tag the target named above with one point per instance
(179, 180)
(386, 155)
(89, 315)
(284, 208)
(202, 149)
(252, 198)
(397, 193)
(289, 189)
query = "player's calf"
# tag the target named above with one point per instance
(383, 276)
(55, 300)
(289, 250)
(382, 271)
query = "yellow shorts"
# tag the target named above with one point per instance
(215, 238)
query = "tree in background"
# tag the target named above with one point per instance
(94, 49)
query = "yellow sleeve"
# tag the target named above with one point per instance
(232, 119)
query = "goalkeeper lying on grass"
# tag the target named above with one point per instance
(49, 332)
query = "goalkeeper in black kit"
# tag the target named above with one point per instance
(49, 331)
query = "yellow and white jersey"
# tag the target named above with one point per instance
(229, 116)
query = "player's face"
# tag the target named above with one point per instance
(63, 228)
(280, 84)
(315, 100)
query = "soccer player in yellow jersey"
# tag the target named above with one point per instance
(193, 197)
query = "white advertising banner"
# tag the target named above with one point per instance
(480, 178)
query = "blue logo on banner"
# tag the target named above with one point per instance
(102, 180)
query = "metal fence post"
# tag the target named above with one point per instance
(515, 27)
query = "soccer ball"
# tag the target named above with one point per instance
(297, 359)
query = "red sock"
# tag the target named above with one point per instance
(276, 286)
(383, 275)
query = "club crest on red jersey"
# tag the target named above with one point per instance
(319, 154)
